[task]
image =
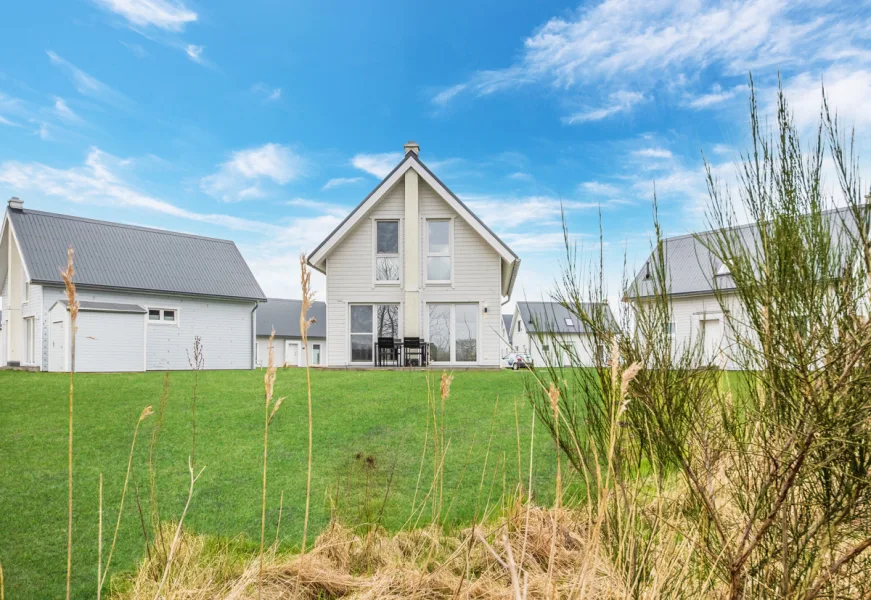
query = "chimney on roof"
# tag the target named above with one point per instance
(16, 203)
(411, 146)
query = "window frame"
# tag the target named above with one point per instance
(449, 253)
(162, 321)
(453, 333)
(397, 256)
(26, 292)
(30, 340)
(374, 332)
(569, 322)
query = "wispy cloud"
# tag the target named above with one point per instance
(848, 91)
(87, 85)
(65, 112)
(241, 177)
(341, 181)
(378, 165)
(195, 53)
(715, 97)
(7, 122)
(605, 45)
(618, 102)
(137, 49)
(327, 208)
(100, 181)
(520, 176)
(513, 212)
(169, 15)
(660, 153)
(266, 92)
(599, 189)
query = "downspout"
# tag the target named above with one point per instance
(254, 336)
(511, 281)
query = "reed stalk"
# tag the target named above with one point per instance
(304, 324)
(70, 289)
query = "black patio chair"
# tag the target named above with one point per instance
(415, 352)
(387, 352)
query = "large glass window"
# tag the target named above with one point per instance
(30, 339)
(438, 256)
(387, 263)
(453, 332)
(368, 323)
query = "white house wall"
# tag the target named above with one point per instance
(350, 274)
(109, 342)
(34, 308)
(224, 326)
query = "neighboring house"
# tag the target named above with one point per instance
(145, 294)
(412, 261)
(507, 345)
(693, 274)
(283, 316)
(553, 335)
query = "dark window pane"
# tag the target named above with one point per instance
(439, 236)
(361, 319)
(388, 237)
(466, 328)
(361, 348)
(440, 332)
(153, 315)
(169, 315)
(388, 320)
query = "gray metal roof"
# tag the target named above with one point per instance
(550, 317)
(284, 316)
(506, 319)
(692, 269)
(118, 256)
(87, 305)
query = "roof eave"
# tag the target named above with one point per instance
(60, 283)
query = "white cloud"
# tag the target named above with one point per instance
(86, 84)
(7, 122)
(195, 53)
(42, 132)
(137, 49)
(848, 91)
(446, 95)
(240, 177)
(266, 92)
(510, 212)
(169, 15)
(99, 181)
(716, 96)
(653, 153)
(378, 165)
(65, 112)
(341, 181)
(547, 242)
(722, 149)
(326, 208)
(618, 102)
(600, 189)
(520, 176)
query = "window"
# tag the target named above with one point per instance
(453, 332)
(26, 291)
(368, 323)
(30, 340)
(669, 329)
(519, 323)
(723, 270)
(316, 354)
(162, 315)
(387, 263)
(569, 322)
(438, 250)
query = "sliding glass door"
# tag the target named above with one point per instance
(368, 323)
(453, 333)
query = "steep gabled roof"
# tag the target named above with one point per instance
(553, 317)
(126, 257)
(411, 160)
(283, 315)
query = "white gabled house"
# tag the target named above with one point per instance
(412, 261)
(282, 317)
(144, 295)
(554, 336)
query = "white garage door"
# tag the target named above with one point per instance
(57, 340)
(110, 341)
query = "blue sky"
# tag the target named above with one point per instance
(266, 122)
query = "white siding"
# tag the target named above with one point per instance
(279, 350)
(476, 275)
(109, 342)
(225, 327)
(33, 308)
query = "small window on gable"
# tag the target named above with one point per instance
(569, 322)
(26, 291)
(519, 325)
(723, 270)
(387, 263)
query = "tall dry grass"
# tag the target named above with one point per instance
(304, 323)
(67, 275)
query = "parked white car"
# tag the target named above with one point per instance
(517, 360)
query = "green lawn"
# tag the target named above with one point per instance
(357, 415)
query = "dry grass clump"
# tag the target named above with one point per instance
(425, 563)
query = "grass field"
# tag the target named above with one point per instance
(367, 425)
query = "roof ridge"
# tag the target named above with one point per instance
(43, 213)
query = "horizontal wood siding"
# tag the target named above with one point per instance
(33, 308)
(224, 326)
(109, 342)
